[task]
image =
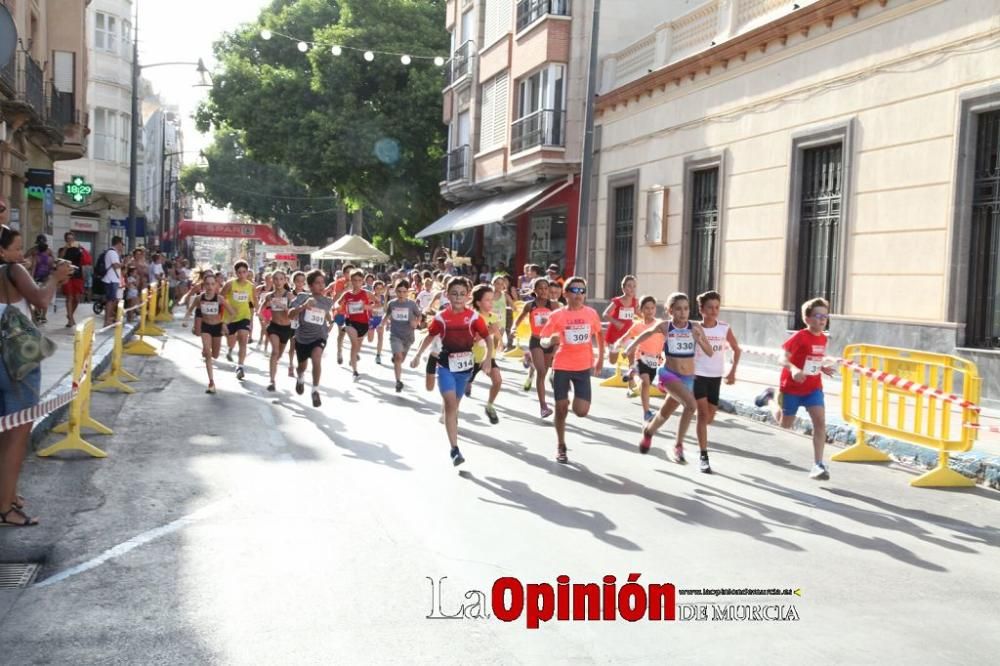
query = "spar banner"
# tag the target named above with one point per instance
(258, 232)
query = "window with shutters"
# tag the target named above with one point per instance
(820, 205)
(983, 328)
(704, 231)
(106, 33)
(493, 112)
(104, 134)
(499, 18)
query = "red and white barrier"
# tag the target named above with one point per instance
(17, 419)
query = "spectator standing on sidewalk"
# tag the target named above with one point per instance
(112, 279)
(18, 290)
(73, 253)
(41, 261)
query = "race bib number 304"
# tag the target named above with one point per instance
(399, 314)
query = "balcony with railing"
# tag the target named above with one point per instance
(23, 81)
(545, 128)
(529, 11)
(458, 165)
(62, 109)
(460, 64)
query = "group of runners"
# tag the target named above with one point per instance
(467, 326)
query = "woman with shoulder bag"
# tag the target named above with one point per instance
(18, 290)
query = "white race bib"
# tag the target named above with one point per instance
(294, 324)
(813, 365)
(541, 320)
(278, 305)
(626, 314)
(651, 361)
(315, 316)
(355, 307)
(577, 335)
(460, 362)
(680, 342)
(210, 309)
(400, 314)
(241, 297)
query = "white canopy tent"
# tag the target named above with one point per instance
(354, 248)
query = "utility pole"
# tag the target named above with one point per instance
(583, 267)
(133, 173)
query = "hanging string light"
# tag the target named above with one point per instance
(338, 49)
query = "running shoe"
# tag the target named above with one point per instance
(239, 373)
(229, 355)
(679, 454)
(378, 359)
(819, 472)
(764, 397)
(631, 393)
(703, 465)
(648, 416)
(491, 414)
(316, 401)
(546, 412)
(356, 376)
(211, 389)
(527, 384)
(561, 456)
(399, 387)
(456, 457)
(645, 442)
(300, 386)
(270, 387)
(340, 358)
(526, 361)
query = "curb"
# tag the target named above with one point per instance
(101, 361)
(984, 469)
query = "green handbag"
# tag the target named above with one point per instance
(22, 345)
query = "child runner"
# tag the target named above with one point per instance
(709, 370)
(356, 305)
(571, 330)
(402, 319)
(378, 313)
(315, 313)
(620, 314)
(211, 306)
(299, 286)
(539, 311)
(801, 384)
(264, 313)
(458, 327)
(278, 302)
(501, 308)
(482, 302)
(676, 377)
(336, 290)
(239, 292)
(645, 358)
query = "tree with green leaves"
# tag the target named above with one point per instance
(368, 132)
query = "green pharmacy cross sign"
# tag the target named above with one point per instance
(78, 189)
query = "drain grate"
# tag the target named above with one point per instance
(14, 575)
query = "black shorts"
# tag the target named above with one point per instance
(432, 365)
(241, 325)
(580, 379)
(644, 369)
(707, 387)
(361, 328)
(284, 333)
(215, 330)
(535, 342)
(476, 368)
(304, 350)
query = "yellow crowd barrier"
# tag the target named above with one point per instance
(522, 334)
(79, 409)
(164, 314)
(911, 413)
(139, 346)
(116, 377)
(147, 325)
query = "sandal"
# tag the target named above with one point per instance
(19, 502)
(28, 522)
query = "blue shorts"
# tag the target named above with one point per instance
(790, 403)
(111, 291)
(666, 376)
(15, 396)
(452, 381)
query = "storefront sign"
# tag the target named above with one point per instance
(37, 181)
(80, 224)
(78, 189)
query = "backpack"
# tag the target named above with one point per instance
(22, 345)
(100, 270)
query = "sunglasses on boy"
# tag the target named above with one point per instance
(576, 290)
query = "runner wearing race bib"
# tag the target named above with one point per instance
(709, 370)
(403, 317)
(239, 292)
(299, 286)
(458, 329)
(315, 314)
(676, 377)
(212, 308)
(645, 360)
(573, 330)
(356, 305)
(378, 314)
(482, 301)
(279, 331)
(620, 314)
(538, 312)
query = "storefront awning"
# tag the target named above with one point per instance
(487, 211)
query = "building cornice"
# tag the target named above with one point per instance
(800, 21)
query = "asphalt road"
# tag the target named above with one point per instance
(250, 528)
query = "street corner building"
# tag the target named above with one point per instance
(779, 151)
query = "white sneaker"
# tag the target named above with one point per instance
(819, 472)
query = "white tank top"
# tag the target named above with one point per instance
(714, 365)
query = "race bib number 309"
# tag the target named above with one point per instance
(578, 335)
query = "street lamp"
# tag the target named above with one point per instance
(206, 80)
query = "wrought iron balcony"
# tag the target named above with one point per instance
(458, 165)
(545, 127)
(62, 108)
(460, 64)
(529, 11)
(24, 81)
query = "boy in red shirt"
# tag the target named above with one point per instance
(356, 306)
(571, 330)
(801, 383)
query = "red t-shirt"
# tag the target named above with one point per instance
(624, 313)
(805, 351)
(577, 330)
(353, 305)
(458, 330)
